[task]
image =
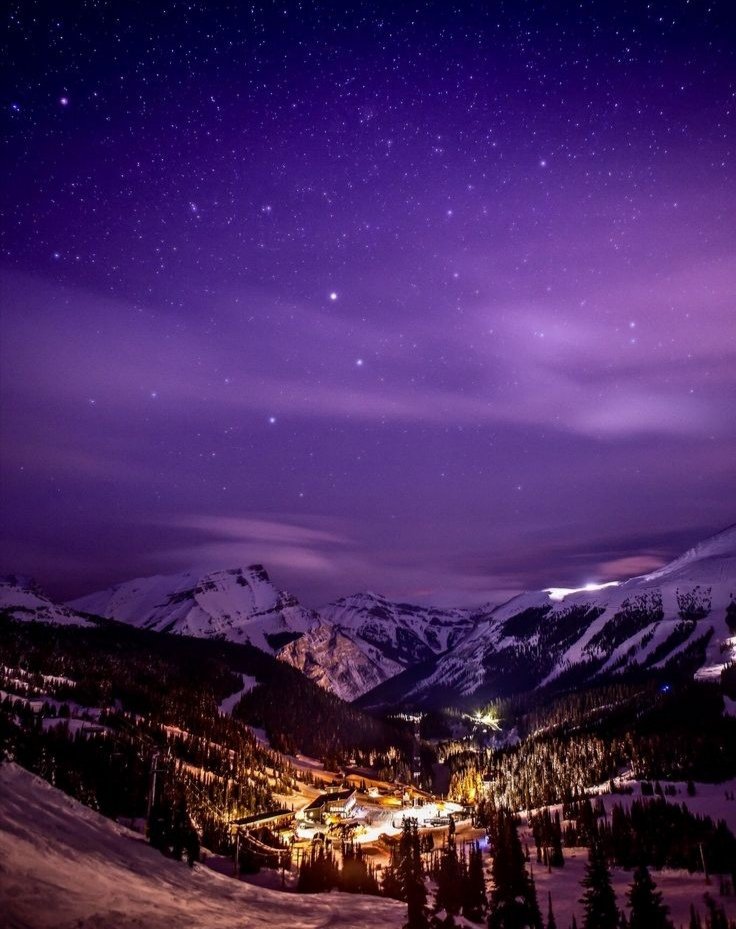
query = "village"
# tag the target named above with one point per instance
(352, 806)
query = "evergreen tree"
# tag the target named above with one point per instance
(474, 893)
(599, 899)
(551, 924)
(390, 883)
(449, 885)
(411, 876)
(513, 902)
(647, 909)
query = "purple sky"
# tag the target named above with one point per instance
(438, 301)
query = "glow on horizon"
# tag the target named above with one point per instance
(559, 593)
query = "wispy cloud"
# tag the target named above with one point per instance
(561, 368)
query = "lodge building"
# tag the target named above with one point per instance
(337, 803)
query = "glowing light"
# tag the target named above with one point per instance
(559, 593)
(333, 295)
(486, 718)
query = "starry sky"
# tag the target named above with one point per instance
(434, 299)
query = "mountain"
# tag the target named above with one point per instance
(685, 612)
(366, 639)
(240, 604)
(332, 659)
(22, 599)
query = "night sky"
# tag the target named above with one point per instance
(433, 299)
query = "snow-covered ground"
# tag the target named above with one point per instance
(62, 865)
(229, 703)
(679, 888)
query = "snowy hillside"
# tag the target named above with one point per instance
(20, 597)
(240, 604)
(66, 865)
(685, 609)
(366, 639)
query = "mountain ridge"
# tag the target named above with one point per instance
(684, 610)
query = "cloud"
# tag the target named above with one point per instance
(630, 566)
(219, 541)
(508, 363)
(251, 529)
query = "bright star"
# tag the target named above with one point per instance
(333, 295)
(64, 101)
(359, 362)
(272, 420)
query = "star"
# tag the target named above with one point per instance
(359, 362)
(333, 295)
(272, 420)
(64, 101)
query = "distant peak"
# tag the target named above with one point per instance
(21, 581)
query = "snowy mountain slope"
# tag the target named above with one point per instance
(240, 604)
(332, 659)
(686, 608)
(67, 866)
(348, 648)
(20, 597)
(366, 639)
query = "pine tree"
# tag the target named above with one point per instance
(474, 892)
(449, 884)
(551, 924)
(513, 901)
(647, 909)
(599, 899)
(411, 876)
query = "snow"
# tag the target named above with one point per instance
(708, 571)
(64, 866)
(229, 703)
(239, 604)
(20, 598)
(679, 888)
(347, 666)
(365, 639)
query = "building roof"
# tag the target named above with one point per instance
(259, 818)
(333, 796)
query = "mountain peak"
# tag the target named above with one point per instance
(240, 604)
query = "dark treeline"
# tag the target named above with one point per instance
(320, 871)
(654, 832)
(680, 734)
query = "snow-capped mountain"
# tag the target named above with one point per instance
(240, 604)
(335, 661)
(684, 611)
(369, 648)
(22, 599)
(366, 639)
